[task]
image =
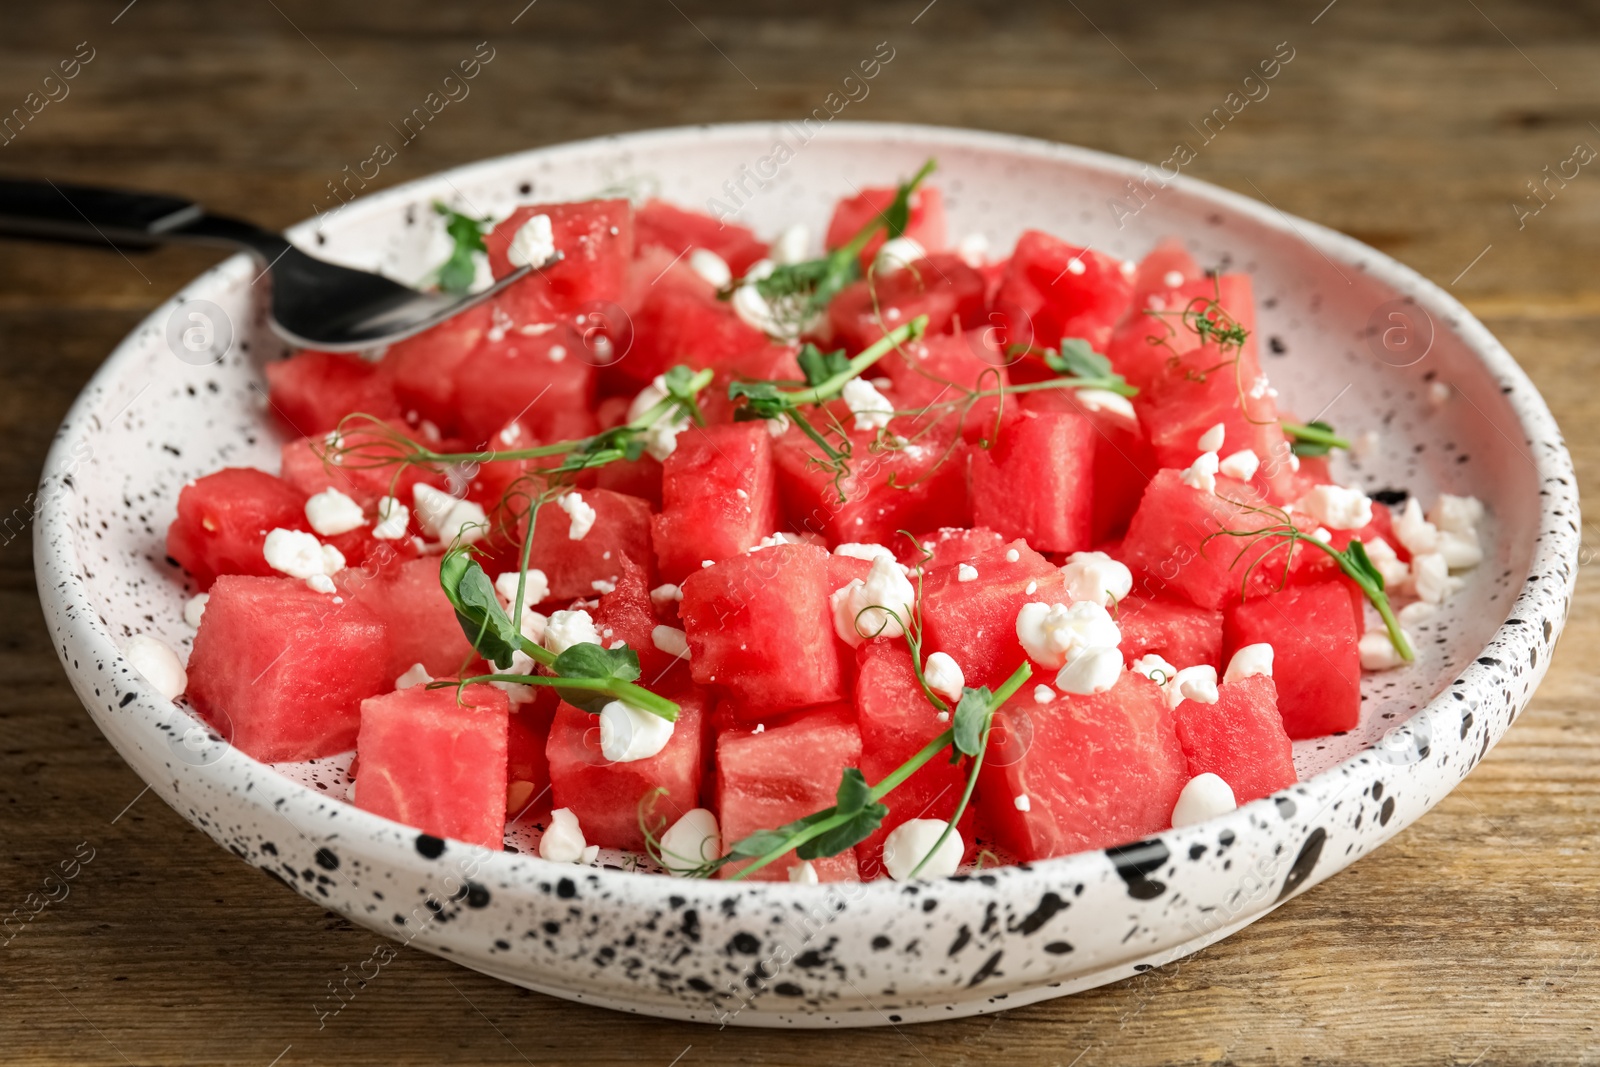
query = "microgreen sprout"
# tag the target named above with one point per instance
(456, 274)
(1315, 438)
(1079, 365)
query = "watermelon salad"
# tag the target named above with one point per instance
(880, 557)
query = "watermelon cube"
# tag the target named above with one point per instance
(1123, 460)
(1176, 539)
(951, 546)
(282, 670)
(365, 467)
(543, 380)
(1240, 738)
(976, 620)
(761, 630)
(938, 369)
(223, 521)
(424, 366)
(436, 761)
(1177, 631)
(784, 773)
(1165, 267)
(626, 614)
(1053, 290)
(659, 224)
(718, 497)
(573, 565)
(1037, 481)
(610, 798)
(407, 597)
(527, 766)
(680, 325)
(925, 224)
(941, 287)
(896, 720)
(1096, 770)
(312, 391)
(1316, 664)
(595, 239)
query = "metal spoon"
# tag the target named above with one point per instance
(315, 304)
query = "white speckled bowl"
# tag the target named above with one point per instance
(858, 955)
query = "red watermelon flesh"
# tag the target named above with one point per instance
(679, 325)
(939, 369)
(760, 629)
(435, 762)
(544, 380)
(784, 773)
(1097, 770)
(1157, 269)
(928, 487)
(1123, 460)
(364, 467)
(1178, 632)
(925, 223)
(1036, 483)
(626, 614)
(896, 720)
(595, 239)
(1316, 664)
(941, 287)
(768, 362)
(422, 625)
(950, 546)
(1240, 738)
(976, 621)
(1167, 541)
(718, 496)
(312, 391)
(527, 766)
(223, 521)
(606, 796)
(1043, 299)
(424, 366)
(282, 670)
(659, 224)
(621, 528)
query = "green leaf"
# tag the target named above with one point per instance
(1356, 553)
(854, 793)
(898, 215)
(592, 661)
(762, 842)
(818, 366)
(971, 718)
(763, 400)
(478, 609)
(1312, 447)
(466, 233)
(855, 830)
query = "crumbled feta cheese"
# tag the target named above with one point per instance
(628, 734)
(754, 310)
(944, 676)
(1172, 279)
(1031, 588)
(897, 254)
(330, 512)
(965, 572)
(1043, 694)
(691, 842)
(792, 246)
(803, 873)
(774, 540)
(1022, 802)
(603, 586)
(194, 608)
(1378, 652)
(447, 518)
(661, 439)
(1430, 578)
(567, 628)
(1336, 507)
(581, 514)
(1438, 394)
(973, 249)
(1394, 570)
(1323, 534)
(867, 552)
(1205, 796)
(156, 664)
(1053, 634)
(665, 594)
(1198, 683)
(300, 555)
(1416, 533)
(563, 840)
(1202, 473)
(1106, 400)
(1417, 613)
(393, 519)
(861, 609)
(1460, 551)
(1212, 439)
(1012, 555)
(712, 267)
(414, 675)
(1242, 465)
(1457, 514)
(1155, 668)
(533, 244)
(320, 583)
(1076, 265)
(911, 841)
(535, 590)
(870, 407)
(1248, 662)
(1097, 577)
(778, 425)
(1094, 670)
(671, 640)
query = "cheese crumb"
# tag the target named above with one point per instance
(393, 519)
(897, 254)
(1416, 533)
(803, 873)
(870, 407)
(414, 675)
(567, 628)
(563, 841)
(533, 244)
(1022, 802)
(944, 676)
(1250, 661)
(1053, 634)
(157, 664)
(862, 609)
(1155, 668)
(712, 267)
(1202, 473)
(536, 589)
(1095, 670)
(1096, 577)
(907, 845)
(194, 608)
(665, 594)
(629, 734)
(1242, 465)
(1043, 694)
(691, 842)
(1212, 439)
(1336, 507)
(966, 573)
(300, 555)
(581, 514)
(447, 518)
(330, 512)
(1204, 797)
(1378, 652)
(671, 640)
(1198, 683)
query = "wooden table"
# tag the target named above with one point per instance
(1473, 937)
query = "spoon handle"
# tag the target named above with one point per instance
(84, 214)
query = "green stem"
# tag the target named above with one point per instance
(831, 387)
(1374, 594)
(1315, 434)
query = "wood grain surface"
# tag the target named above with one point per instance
(1472, 938)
